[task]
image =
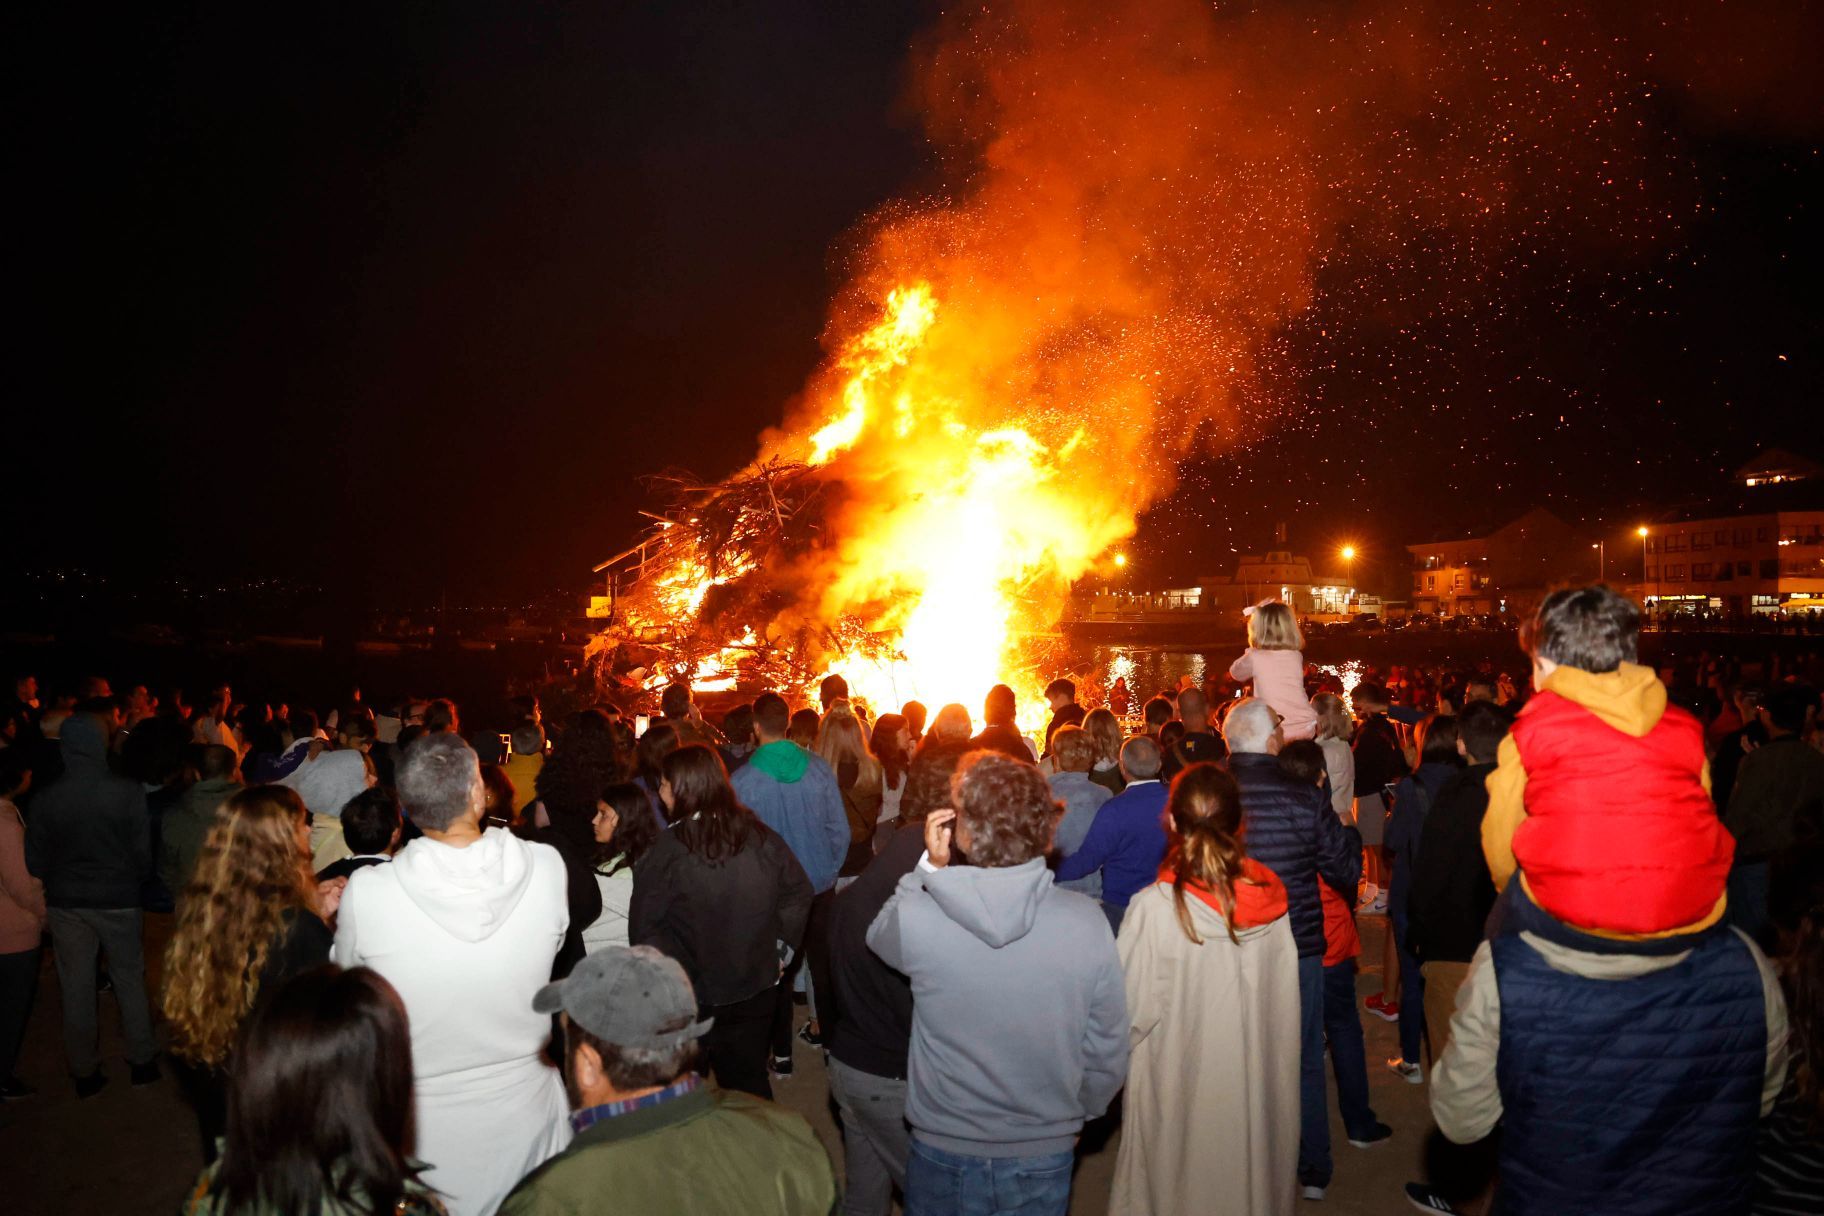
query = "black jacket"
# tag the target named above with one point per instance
(1293, 831)
(1071, 715)
(89, 838)
(1451, 892)
(722, 921)
(302, 943)
(1378, 758)
(873, 1029)
(1195, 747)
(345, 867)
(583, 895)
(1728, 761)
(1004, 739)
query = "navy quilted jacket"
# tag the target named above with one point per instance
(1628, 1097)
(1293, 831)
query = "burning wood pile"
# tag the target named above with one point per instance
(709, 593)
(908, 532)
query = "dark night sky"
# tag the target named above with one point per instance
(404, 299)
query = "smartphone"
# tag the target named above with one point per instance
(640, 723)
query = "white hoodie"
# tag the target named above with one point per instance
(467, 936)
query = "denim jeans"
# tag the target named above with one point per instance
(735, 1047)
(1412, 993)
(875, 1139)
(1313, 1101)
(1348, 1052)
(940, 1183)
(78, 935)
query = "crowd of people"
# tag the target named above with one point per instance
(560, 970)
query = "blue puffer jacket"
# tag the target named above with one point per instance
(1292, 830)
(1630, 1097)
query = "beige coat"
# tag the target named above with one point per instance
(1210, 1121)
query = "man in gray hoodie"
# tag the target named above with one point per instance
(1019, 1015)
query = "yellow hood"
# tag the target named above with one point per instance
(1630, 698)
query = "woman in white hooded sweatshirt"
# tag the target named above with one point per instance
(465, 924)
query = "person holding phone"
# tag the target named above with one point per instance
(996, 1104)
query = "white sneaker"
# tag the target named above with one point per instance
(1378, 905)
(1369, 891)
(1413, 1074)
(1311, 1192)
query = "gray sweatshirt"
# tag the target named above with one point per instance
(1019, 1012)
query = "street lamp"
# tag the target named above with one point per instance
(1602, 561)
(1349, 557)
(1642, 533)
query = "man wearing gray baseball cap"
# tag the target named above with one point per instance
(651, 1134)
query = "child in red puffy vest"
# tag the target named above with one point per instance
(1601, 797)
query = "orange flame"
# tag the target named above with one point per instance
(972, 532)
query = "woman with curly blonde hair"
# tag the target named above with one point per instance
(251, 917)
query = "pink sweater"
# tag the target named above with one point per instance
(1279, 680)
(21, 895)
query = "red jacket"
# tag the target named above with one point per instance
(1619, 832)
(1341, 940)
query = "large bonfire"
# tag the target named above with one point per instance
(1142, 195)
(904, 542)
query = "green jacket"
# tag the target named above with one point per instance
(711, 1152)
(183, 827)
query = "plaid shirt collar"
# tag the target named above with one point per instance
(590, 1116)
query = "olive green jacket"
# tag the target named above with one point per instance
(710, 1152)
(183, 828)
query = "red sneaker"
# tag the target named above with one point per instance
(1382, 1009)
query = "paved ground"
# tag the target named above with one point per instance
(128, 1152)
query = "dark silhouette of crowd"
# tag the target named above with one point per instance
(559, 966)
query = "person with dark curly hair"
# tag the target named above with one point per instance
(996, 1103)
